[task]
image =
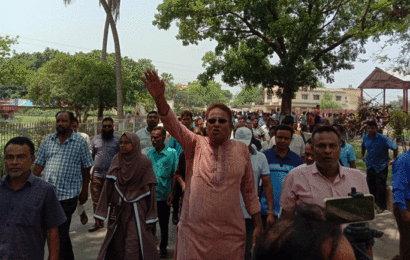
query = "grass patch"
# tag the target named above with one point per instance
(360, 164)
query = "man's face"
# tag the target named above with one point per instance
(63, 124)
(107, 130)
(326, 149)
(255, 123)
(74, 126)
(265, 116)
(186, 121)
(218, 126)
(157, 139)
(283, 139)
(242, 120)
(308, 159)
(272, 133)
(371, 130)
(152, 120)
(17, 160)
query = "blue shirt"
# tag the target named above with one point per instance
(377, 151)
(104, 151)
(175, 145)
(165, 164)
(279, 169)
(347, 154)
(25, 216)
(63, 163)
(401, 180)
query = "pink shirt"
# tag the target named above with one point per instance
(212, 225)
(306, 184)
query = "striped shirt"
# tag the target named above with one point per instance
(63, 163)
(279, 169)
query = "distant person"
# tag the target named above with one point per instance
(347, 154)
(144, 134)
(297, 144)
(309, 159)
(303, 122)
(65, 162)
(377, 162)
(129, 192)
(128, 116)
(316, 114)
(30, 212)
(104, 147)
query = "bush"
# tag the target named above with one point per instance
(399, 121)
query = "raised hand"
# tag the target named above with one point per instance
(156, 87)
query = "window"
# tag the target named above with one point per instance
(305, 96)
(338, 98)
(316, 97)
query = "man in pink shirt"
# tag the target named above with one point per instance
(212, 225)
(325, 178)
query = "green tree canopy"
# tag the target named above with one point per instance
(327, 102)
(78, 83)
(279, 42)
(247, 96)
(201, 96)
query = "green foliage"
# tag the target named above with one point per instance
(307, 39)
(327, 102)
(399, 121)
(75, 82)
(201, 96)
(247, 96)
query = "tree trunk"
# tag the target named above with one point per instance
(287, 96)
(120, 108)
(101, 111)
(105, 36)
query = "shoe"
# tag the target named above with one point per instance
(93, 228)
(163, 253)
(83, 218)
(175, 220)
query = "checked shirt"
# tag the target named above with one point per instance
(63, 163)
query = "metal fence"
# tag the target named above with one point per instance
(37, 132)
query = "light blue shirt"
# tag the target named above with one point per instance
(347, 154)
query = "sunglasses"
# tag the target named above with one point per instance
(220, 120)
(107, 126)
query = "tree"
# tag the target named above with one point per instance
(247, 96)
(202, 96)
(75, 82)
(309, 38)
(111, 21)
(327, 102)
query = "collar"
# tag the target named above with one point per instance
(164, 151)
(343, 143)
(275, 154)
(6, 181)
(313, 169)
(253, 152)
(72, 137)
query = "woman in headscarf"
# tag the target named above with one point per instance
(129, 190)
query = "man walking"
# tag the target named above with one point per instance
(65, 162)
(281, 160)
(29, 210)
(297, 145)
(104, 147)
(165, 162)
(144, 134)
(347, 154)
(377, 162)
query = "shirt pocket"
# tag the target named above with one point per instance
(27, 216)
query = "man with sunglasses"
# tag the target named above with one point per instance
(103, 149)
(212, 225)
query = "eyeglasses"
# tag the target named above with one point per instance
(107, 126)
(19, 158)
(220, 120)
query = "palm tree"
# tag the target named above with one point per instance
(111, 22)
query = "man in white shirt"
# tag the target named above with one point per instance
(297, 145)
(144, 134)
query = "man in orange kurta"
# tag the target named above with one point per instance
(212, 225)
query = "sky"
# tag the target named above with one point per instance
(80, 25)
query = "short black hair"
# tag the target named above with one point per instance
(340, 127)
(286, 128)
(75, 120)
(108, 119)
(325, 128)
(20, 140)
(152, 112)
(70, 114)
(288, 120)
(163, 132)
(272, 128)
(372, 123)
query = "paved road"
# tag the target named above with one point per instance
(87, 245)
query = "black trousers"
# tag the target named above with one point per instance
(377, 185)
(175, 202)
(163, 218)
(250, 227)
(66, 248)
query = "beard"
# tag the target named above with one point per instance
(107, 135)
(62, 130)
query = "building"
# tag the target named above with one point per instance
(307, 99)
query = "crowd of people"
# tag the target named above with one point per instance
(241, 186)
